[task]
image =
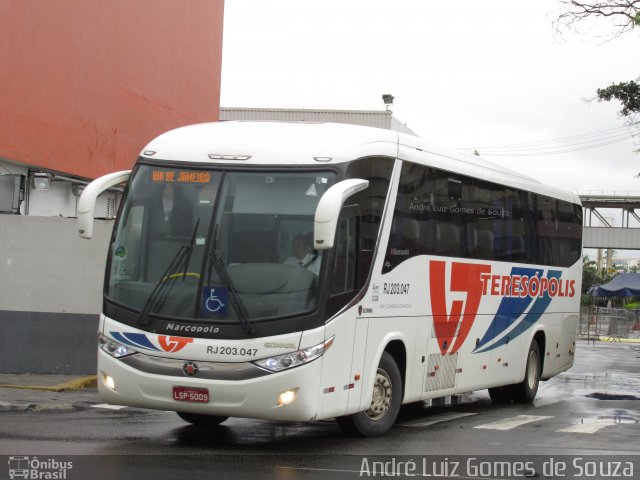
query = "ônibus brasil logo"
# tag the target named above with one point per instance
(169, 344)
(526, 293)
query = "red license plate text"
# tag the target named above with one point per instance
(190, 394)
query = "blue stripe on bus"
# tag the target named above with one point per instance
(134, 340)
(537, 309)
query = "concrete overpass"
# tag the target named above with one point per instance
(625, 236)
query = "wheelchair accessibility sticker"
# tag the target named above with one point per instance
(215, 301)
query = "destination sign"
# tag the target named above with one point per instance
(180, 176)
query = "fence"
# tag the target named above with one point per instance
(611, 323)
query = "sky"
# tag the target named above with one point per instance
(464, 74)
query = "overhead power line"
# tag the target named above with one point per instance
(559, 145)
(554, 140)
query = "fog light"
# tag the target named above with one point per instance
(287, 398)
(108, 381)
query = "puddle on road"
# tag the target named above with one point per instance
(611, 396)
(606, 383)
(597, 386)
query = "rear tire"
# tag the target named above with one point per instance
(201, 419)
(385, 403)
(526, 391)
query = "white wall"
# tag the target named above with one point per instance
(59, 200)
(46, 267)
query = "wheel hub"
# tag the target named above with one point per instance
(381, 400)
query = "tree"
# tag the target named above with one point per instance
(627, 93)
(625, 15)
(592, 276)
(589, 272)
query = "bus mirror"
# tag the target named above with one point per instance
(328, 211)
(87, 202)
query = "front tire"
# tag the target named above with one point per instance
(201, 420)
(378, 419)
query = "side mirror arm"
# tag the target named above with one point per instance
(328, 211)
(87, 202)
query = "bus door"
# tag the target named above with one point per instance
(344, 282)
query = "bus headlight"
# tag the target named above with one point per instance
(114, 348)
(294, 359)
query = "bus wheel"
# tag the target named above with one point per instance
(526, 391)
(378, 419)
(201, 419)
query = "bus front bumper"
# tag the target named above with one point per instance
(258, 397)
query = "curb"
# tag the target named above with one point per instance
(608, 339)
(619, 340)
(89, 381)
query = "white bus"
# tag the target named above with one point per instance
(310, 271)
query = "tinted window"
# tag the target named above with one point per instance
(447, 214)
(370, 203)
(358, 230)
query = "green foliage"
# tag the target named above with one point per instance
(627, 93)
(586, 299)
(588, 279)
(592, 276)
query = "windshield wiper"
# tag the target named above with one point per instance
(190, 249)
(161, 290)
(216, 262)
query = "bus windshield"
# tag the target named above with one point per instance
(221, 246)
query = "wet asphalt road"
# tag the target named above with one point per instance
(593, 409)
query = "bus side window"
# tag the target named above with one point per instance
(343, 271)
(377, 170)
(128, 249)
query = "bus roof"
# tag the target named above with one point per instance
(304, 143)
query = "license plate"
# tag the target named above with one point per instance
(190, 394)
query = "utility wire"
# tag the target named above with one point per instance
(561, 145)
(560, 140)
(585, 143)
(554, 152)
